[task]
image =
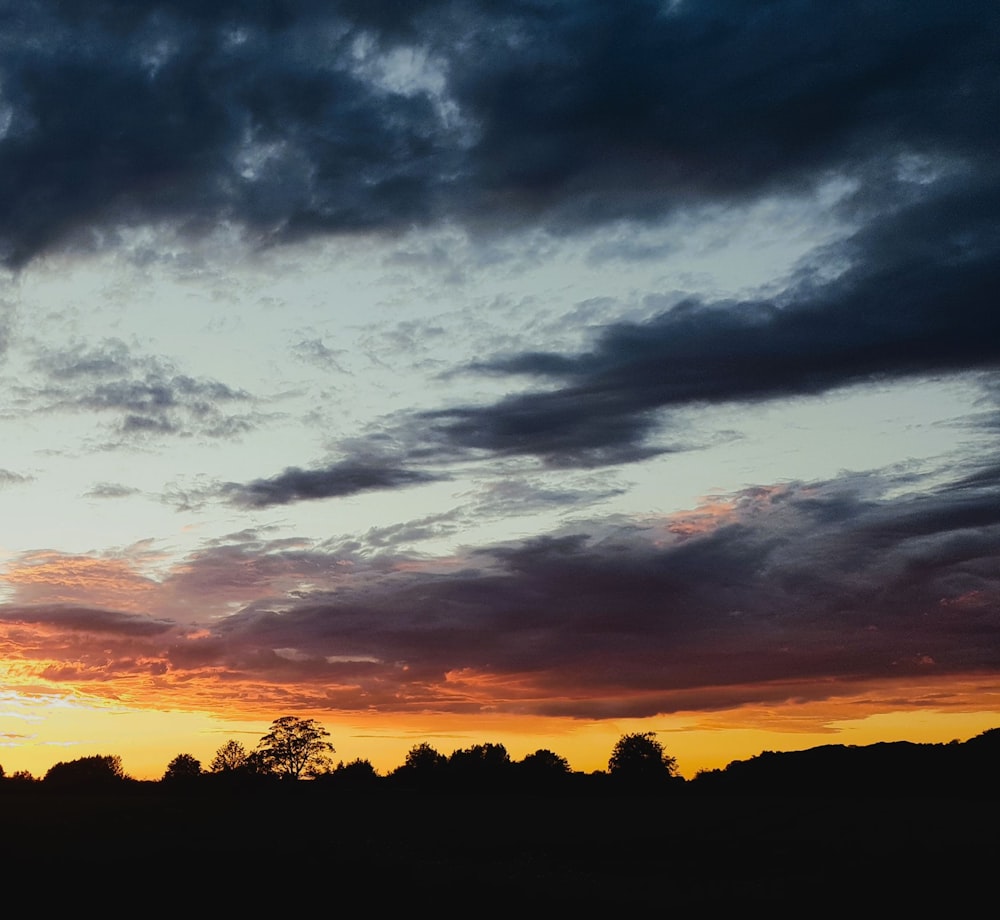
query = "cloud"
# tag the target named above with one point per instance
(916, 298)
(791, 585)
(54, 579)
(909, 293)
(432, 526)
(146, 394)
(351, 117)
(111, 490)
(85, 620)
(314, 351)
(10, 478)
(793, 590)
(281, 122)
(589, 112)
(348, 477)
(177, 116)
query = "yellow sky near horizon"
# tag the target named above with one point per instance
(39, 731)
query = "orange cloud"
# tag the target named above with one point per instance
(56, 578)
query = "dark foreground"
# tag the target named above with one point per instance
(301, 849)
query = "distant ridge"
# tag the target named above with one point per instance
(881, 768)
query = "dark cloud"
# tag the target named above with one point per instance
(151, 112)
(146, 393)
(86, 620)
(293, 119)
(792, 586)
(918, 298)
(911, 293)
(773, 593)
(591, 110)
(348, 477)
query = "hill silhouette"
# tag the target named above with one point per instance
(883, 768)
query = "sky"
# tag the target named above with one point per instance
(531, 372)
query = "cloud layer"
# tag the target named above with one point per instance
(918, 298)
(799, 591)
(297, 119)
(530, 126)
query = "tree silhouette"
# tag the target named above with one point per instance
(258, 765)
(358, 774)
(295, 746)
(230, 757)
(544, 763)
(544, 769)
(183, 768)
(424, 758)
(639, 758)
(424, 766)
(480, 765)
(21, 776)
(98, 770)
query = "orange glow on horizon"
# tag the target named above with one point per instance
(44, 722)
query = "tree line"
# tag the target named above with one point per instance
(295, 749)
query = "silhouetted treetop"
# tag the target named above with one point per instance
(640, 758)
(21, 776)
(98, 770)
(184, 767)
(230, 757)
(423, 767)
(988, 740)
(424, 757)
(544, 762)
(358, 774)
(294, 747)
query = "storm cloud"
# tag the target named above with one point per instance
(337, 480)
(307, 118)
(918, 298)
(912, 296)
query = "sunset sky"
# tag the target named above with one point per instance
(527, 372)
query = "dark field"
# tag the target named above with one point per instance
(302, 848)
